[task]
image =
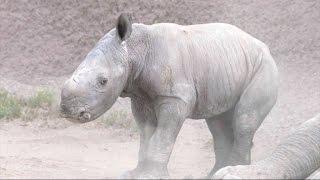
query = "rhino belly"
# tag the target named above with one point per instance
(214, 101)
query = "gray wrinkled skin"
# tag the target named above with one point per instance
(171, 72)
(296, 157)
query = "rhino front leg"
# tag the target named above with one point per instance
(170, 115)
(145, 118)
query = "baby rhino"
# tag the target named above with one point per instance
(172, 72)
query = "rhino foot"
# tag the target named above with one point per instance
(142, 174)
(228, 172)
(242, 172)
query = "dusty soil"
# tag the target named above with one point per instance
(88, 151)
(42, 42)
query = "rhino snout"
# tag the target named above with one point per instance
(76, 114)
(69, 106)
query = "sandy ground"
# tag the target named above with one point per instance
(86, 152)
(42, 42)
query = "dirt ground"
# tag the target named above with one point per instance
(42, 42)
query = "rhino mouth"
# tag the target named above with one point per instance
(75, 114)
(83, 117)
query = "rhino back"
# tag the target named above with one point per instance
(208, 65)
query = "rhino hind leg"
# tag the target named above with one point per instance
(255, 103)
(222, 133)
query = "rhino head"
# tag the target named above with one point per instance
(99, 80)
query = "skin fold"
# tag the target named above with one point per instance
(296, 157)
(171, 72)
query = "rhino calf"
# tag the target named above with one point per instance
(296, 157)
(172, 72)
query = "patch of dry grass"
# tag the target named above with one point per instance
(41, 106)
(42, 99)
(119, 119)
(12, 107)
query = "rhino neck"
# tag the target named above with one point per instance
(138, 47)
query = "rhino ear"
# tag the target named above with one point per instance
(124, 26)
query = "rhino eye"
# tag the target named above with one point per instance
(102, 81)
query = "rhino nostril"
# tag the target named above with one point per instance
(84, 115)
(81, 114)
